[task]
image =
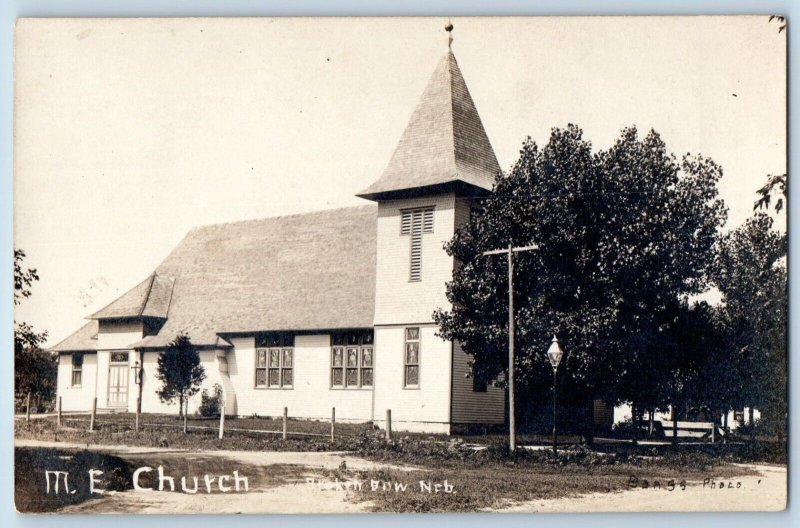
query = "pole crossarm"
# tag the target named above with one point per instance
(504, 251)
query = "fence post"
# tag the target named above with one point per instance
(222, 420)
(333, 422)
(59, 411)
(138, 410)
(28, 408)
(285, 425)
(94, 413)
(388, 424)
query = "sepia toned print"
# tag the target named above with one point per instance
(400, 265)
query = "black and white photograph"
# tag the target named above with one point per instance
(400, 265)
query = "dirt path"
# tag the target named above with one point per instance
(289, 498)
(765, 492)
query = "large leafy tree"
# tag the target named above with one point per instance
(35, 370)
(624, 235)
(694, 348)
(180, 372)
(750, 272)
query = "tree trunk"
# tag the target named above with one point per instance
(590, 430)
(725, 426)
(752, 421)
(180, 407)
(650, 429)
(674, 424)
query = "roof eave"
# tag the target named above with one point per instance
(459, 187)
(127, 318)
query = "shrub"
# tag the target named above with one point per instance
(211, 405)
(639, 430)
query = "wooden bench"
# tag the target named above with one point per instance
(693, 429)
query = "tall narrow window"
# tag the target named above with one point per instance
(77, 370)
(414, 223)
(477, 385)
(411, 371)
(275, 360)
(351, 359)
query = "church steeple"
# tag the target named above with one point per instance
(444, 147)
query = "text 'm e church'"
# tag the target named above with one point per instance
(312, 327)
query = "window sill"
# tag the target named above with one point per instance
(351, 388)
(274, 388)
(411, 387)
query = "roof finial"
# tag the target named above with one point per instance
(449, 29)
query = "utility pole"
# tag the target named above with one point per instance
(512, 431)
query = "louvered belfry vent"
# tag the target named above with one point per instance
(414, 223)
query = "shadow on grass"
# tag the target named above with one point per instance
(31, 493)
(31, 485)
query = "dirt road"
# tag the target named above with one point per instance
(292, 494)
(765, 492)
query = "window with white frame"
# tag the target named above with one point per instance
(411, 369)
(352, 356)
(77, 369)
(275, 360)
(414, 223)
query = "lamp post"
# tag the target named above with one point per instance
(136, 369)
(138, 372)
(554, 354)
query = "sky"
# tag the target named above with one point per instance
(128, 133)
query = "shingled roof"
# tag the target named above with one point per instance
(311, 271)
(82, 340)
(444, 143)
(149, 298)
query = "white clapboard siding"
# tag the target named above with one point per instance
(424, 407)
(76, 397)
(399, 298)
(311, 395)
(151, 403)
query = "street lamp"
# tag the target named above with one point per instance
(136, 370)
(554, 354)
(138, 377)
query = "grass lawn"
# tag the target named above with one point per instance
(167, 431)
(125, 421)
(492, 478)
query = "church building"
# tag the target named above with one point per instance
(313, 311)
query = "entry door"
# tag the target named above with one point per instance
(118, 385)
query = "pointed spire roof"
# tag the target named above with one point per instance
(444, 144)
